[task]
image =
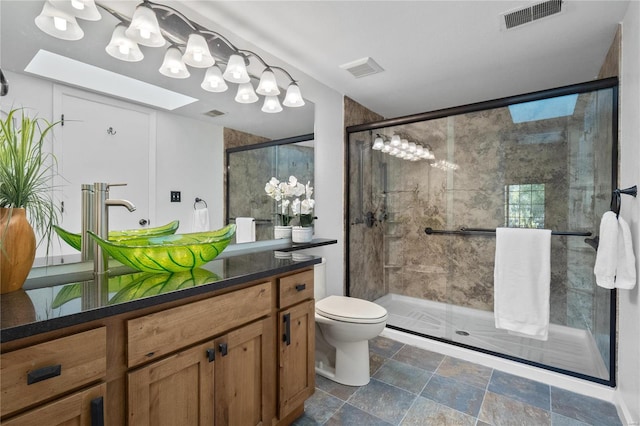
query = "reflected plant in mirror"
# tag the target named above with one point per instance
(303, 209)
(283, 192)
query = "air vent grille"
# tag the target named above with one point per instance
(362, 67)
(214, 113)
(529, 14)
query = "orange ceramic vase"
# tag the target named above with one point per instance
(18, 249)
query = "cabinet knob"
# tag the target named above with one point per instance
(97, 411)
(286, 337)
(223, 349)
(43, 373)
(211, 354)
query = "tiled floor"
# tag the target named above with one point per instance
(413, 386)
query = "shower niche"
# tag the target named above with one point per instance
(426, 191)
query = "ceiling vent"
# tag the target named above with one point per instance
(362, 67)
(515, 18)
(214, 113)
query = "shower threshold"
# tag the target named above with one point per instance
(567, 348)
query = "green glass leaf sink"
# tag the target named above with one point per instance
(75, 240)
(168, 253)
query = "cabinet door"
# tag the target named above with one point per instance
(177, 390)
(83, 408)
(244, 376)
(297, 365)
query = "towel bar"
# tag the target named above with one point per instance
(481, 231)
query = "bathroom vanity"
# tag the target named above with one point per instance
(232, 345)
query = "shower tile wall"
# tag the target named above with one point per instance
(492, 152)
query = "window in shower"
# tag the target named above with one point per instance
(553, 166)
(524, 206)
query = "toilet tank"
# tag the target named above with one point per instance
(320, 280)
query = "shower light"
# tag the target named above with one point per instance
(236, 71)
(197, 52)
(58, 23)
(412, 147)
(404, 144)
(144, 28)
(268, 85)
(293, 98)
(120, 47)
(172, 66)
(271, 104)
(395, 141)
(378, 143)
(246, 94)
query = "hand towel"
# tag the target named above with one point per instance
(245, 230)
(626, 261)
(607, 255)
(522, 278)
(200, 220)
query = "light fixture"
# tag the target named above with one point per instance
(58, 23)
(197, 53)
(271, 104)
(172, 66)
(120, 47)
(293, 98)
(83, 9)
(268, 85)
(246, 94)
(395, 141)
(144, 28)
(151, 23)
(213, 81)
(378, 143)
(236, 71)
(387, 148)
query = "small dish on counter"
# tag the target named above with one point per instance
(168, 253)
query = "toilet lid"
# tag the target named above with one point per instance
(350, 309)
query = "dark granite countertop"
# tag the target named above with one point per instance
(63, 304)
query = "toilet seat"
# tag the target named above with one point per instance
(351, 309)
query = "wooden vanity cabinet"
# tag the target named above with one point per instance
(296, 366)
(220, 382)
(240, 356)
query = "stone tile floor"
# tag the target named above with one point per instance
(413, 386)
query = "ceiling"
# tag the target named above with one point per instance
(435, 54)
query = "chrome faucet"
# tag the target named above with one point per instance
(101, 204)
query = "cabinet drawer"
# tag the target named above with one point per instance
(295, 288)
(154, 335)
(84, 408)
(42, 371)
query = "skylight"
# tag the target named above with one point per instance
(543, 109)
(60, 68)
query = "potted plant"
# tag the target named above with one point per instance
(26, 171)
(303, 209)
(283, 192)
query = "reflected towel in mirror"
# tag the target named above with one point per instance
(245, 230)
(200, 220)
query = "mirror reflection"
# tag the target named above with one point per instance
(250, 168)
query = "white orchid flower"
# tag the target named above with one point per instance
(284, 206)
(308, 190)
(306, 206)
(295, 206)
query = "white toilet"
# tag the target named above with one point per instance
(344, 326)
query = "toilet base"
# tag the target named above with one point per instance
(352, 361)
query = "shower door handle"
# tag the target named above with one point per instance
(286, 337)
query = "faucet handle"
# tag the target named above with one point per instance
(109, 185)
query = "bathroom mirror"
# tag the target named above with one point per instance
(251, 167)
(196, 169)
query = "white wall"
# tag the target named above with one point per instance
(629, 300)
(189, 159)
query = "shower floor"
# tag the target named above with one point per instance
(566, 348)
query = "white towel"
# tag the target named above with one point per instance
(626, 261)
(245, 230)
(607, 255)
(522, 278)
(200, 220)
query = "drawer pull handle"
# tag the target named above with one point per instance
(223, 349)
(286, 337)
(97, 411)
(300, 287)
(211, 355)
(43, 373)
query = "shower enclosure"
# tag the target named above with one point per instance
(426, 192)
